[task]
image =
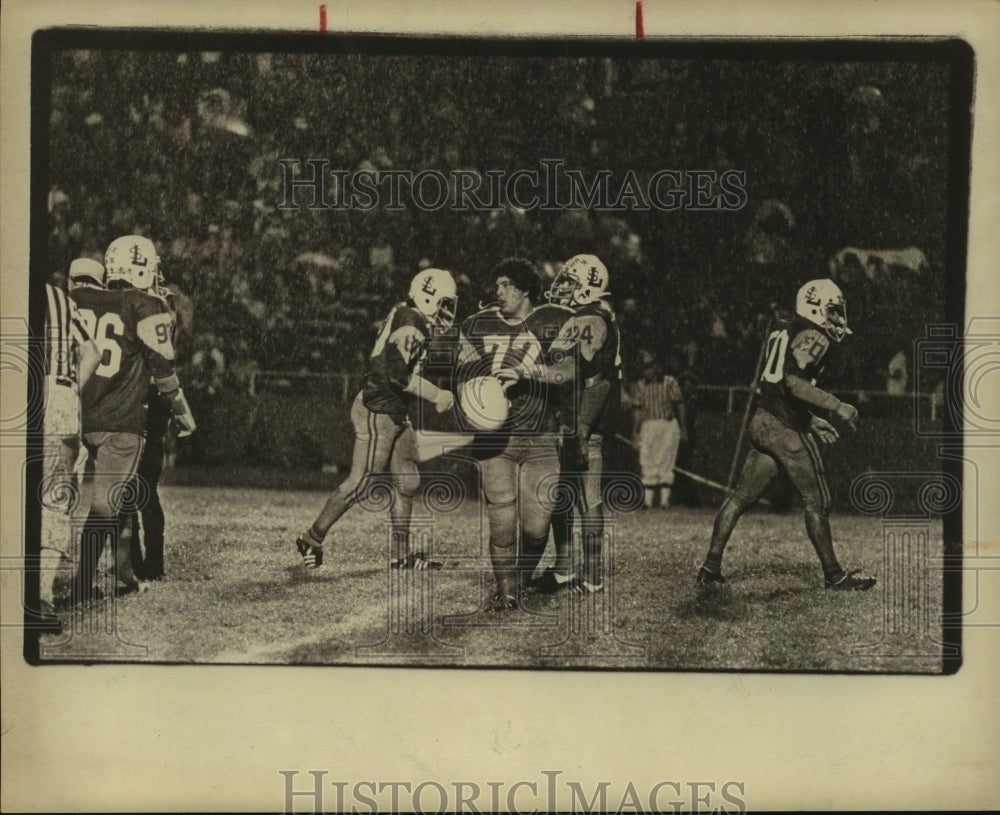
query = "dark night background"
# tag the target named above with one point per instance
(182, 146)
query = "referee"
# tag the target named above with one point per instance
(660, 417)
(71, 356)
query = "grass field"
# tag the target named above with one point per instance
(235, 592)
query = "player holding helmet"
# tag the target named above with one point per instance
(585, 360)
(785, 427)
(132, 326)
(516, 335)
(383, 434)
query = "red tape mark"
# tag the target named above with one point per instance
(322, 19)
(639, 30)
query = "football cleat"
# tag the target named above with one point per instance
(707, 578)
(852, 581)
(503, 602)
(312, 555)
(580, 586)
(549, 582)
(414, 560)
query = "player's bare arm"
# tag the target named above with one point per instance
(408, 342)
(808, 347)
(155, 330)
(583, 334)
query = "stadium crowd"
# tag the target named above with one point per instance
(184, 147)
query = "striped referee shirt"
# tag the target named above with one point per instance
(657, 400)
(64, 334)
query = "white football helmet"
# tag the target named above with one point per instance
(822, 302)
(583, 279)
(132, 259)
(434, 295)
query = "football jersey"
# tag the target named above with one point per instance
(591, 335)
(397, 355)
(133, 332)
(490, 342)
(799, 349)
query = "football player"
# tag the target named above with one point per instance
(585, 361)
(146, 542)
(132, 327)
(71, 357)
(382, 430)
(790, 415)
(514, 334)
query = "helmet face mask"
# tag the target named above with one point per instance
(434, 295)
(583, 279)
(822, 303)
(563, 290)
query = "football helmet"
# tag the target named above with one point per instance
(434, 295)
(132, 259)
(821, 302)
(583, 279)
(85, 272)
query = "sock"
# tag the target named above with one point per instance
(562, 536)
(402, 508)
(664, 497)
(650, 495)
(532, 549)
(503, 546)
(313, 537)
(818, 528)
(592, 532)
(725, 522)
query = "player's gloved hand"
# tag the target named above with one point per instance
(444, 401)
(182, 415)
(508, 376)
(823, 430)
(848, 414)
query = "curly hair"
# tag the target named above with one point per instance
(522, 273)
